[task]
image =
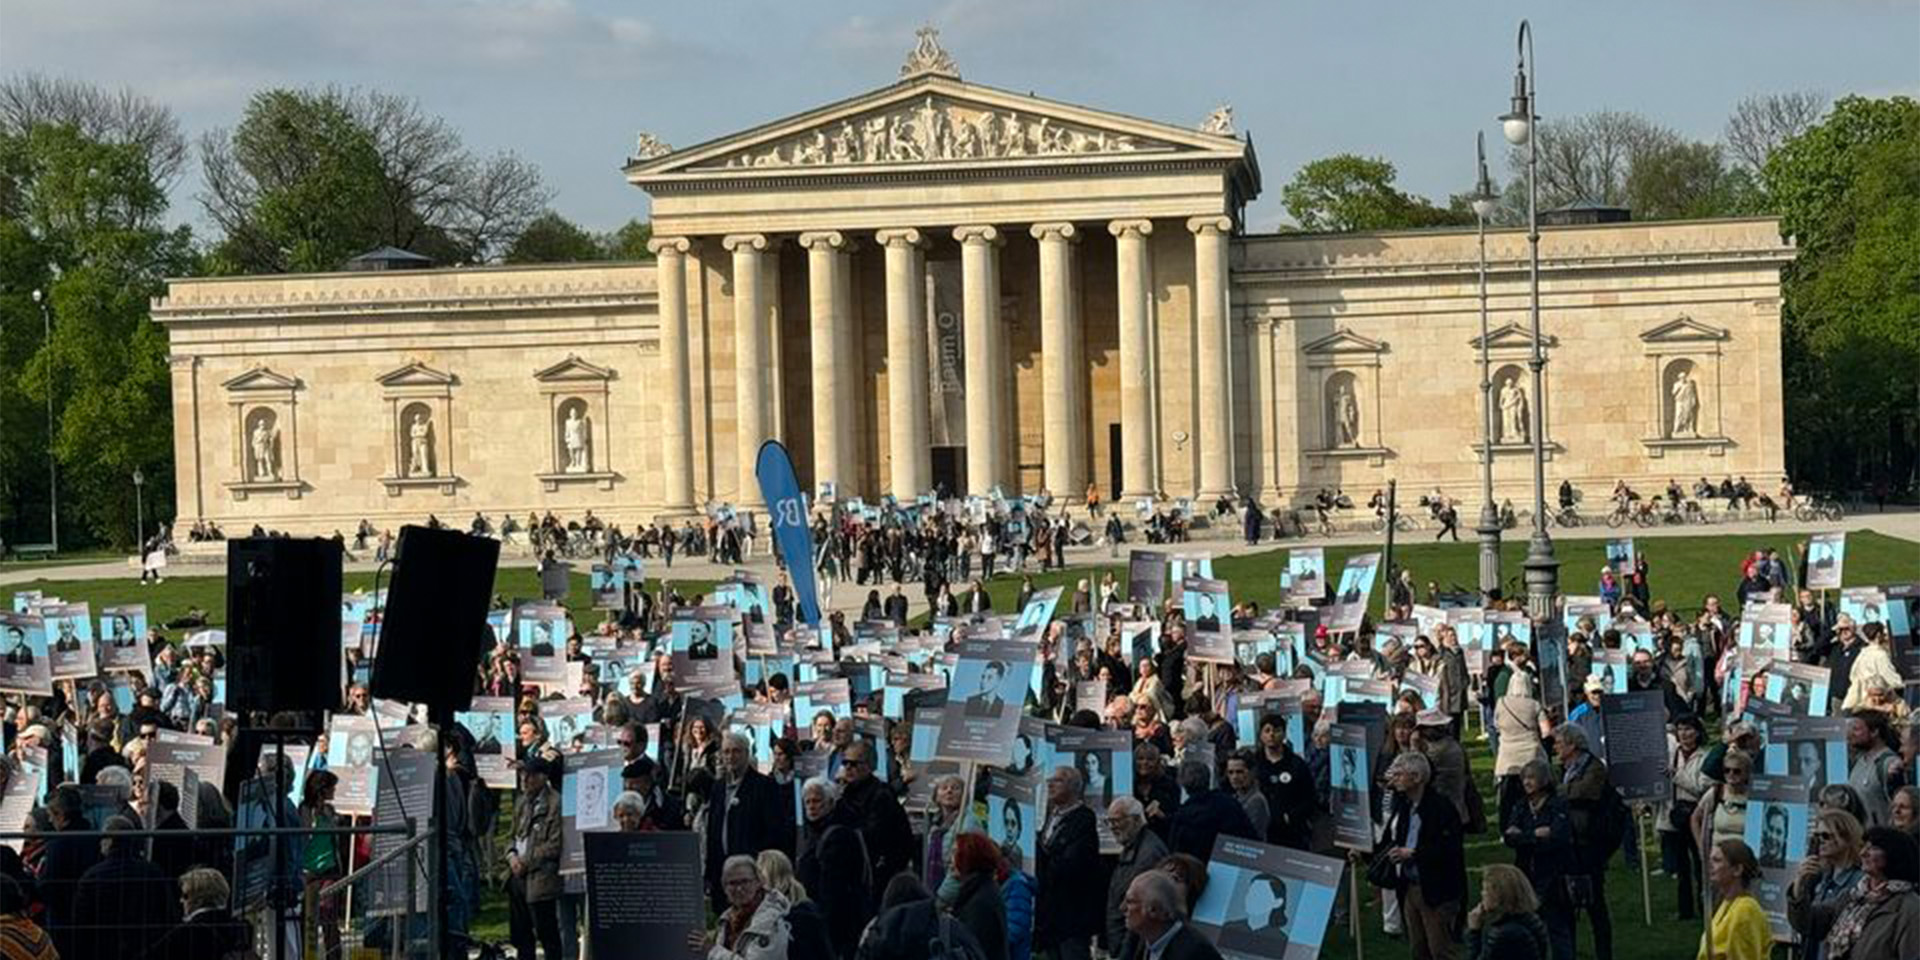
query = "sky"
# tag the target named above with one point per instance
(568, 84)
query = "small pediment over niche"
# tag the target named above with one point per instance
(1512, 336)
(415, 374)
(1343, 342)
(261, 378)
(1685, 329)
(573, 370)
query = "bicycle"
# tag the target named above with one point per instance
(1817, 506)
(1401, 522)
(1569, 517)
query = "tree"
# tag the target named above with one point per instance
(83, 219)
(1760, 124)
(31, 100)
(630, 241)
(1687, 180)
(1588, 158)
(552, 238)
(1847, 190)
(1349, 192)
(310, 178)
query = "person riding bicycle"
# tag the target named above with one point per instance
(1378, 502)
(1567, 495)
(1674, 493)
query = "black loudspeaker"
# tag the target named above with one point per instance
(283, 624)
(435, 628)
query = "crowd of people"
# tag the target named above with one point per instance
(836, 843)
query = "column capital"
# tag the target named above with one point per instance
(675, 244)
(732, 242)
(1063, 231)
(1216, 222)
(978, 233)
(824, 239)
(1121, 228)
(901, 236)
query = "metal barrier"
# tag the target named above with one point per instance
(377, 910)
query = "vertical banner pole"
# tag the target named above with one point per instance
(1646, 880)
(1353, 905)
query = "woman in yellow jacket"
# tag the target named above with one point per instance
(1739, 930)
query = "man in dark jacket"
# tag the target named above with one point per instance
(910, 922)
(1433, 861)
(1159, 796)
(1287, 782)
(1208, 812)
(746, 813)
(123, 902)
(1156, 925)
(65, 861)
(209, 930)
(873, 810)
(1069, 907)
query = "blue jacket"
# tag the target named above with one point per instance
(1018, 893)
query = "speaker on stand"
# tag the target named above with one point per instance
(432, 634)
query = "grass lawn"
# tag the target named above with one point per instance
(1682, 570)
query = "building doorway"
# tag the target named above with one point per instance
(950, 471)
(1113, 463)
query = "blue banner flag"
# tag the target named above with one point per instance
(787, 510)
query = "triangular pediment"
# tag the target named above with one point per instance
(415, 374)
(571, 369)
(935, 121)
(1511, 336)
(1685, 329)
(1342, 342)
(261, 378)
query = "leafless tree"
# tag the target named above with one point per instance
(1760, 124)
(113, 116)
(1589, 157)
(501, 196)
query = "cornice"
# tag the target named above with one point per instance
(1364, 267)
(363, 304)
(828, 178)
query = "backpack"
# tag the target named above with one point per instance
(950, 943)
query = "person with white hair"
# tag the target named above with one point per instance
(1140, 850)
(1067, 911)
(831, 862)
(1156, 922)
(1425, 842)
(754, 924)
(746, 813)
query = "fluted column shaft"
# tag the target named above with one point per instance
(829, 326)
(750, 355)
(910, 460)
(676, 393)
(1214, 362)
(1136, 357)
(986, 420)
(1063, 441)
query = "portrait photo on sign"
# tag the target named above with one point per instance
(23, 654)
(1264, 902)
(1013, 815)
(1307, 573)
(1826, 561)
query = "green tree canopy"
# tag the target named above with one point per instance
(82, 220)
(1349, 192)
(552, 238)
(1848, 192)
(309, 178)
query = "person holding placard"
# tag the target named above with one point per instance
(1825, 879)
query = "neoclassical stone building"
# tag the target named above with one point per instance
(940, 283)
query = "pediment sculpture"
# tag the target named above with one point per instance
(933, 129)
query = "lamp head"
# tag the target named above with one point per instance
(1482, 199)
(1517, 123)
(39, 295)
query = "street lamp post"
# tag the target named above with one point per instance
(1489, 528)
(1542, 569)
(139, 513)
(53, 474)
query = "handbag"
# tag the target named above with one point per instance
(1384, 873)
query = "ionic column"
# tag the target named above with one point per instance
(1214, 362)
(750, 355)
(980, 291)
(1136, 357)
(829, 323)
(676, 406)
(910, 464)
(1064, 439)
